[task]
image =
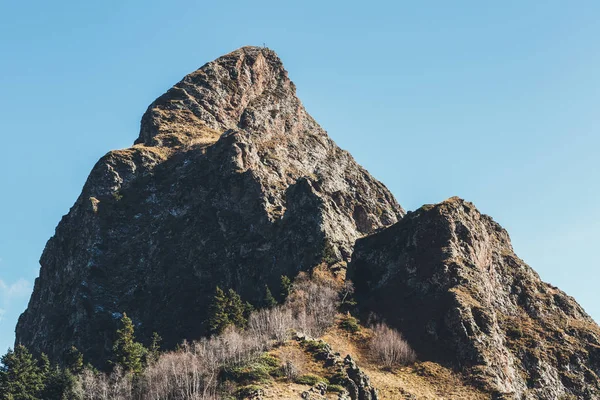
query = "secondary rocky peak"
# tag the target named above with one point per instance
(246, 89)
(447, 276)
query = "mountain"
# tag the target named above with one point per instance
(231, 183)
(447, 277)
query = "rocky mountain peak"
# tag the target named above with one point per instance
(246, 89)
(230, 183)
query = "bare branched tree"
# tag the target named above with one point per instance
(390, 348)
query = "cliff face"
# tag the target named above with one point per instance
(448, 278)
(230, 183)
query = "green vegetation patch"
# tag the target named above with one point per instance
(247, 391)
(260, 370)
(310, 380)
(315, 346)
(350, 324)
(336, 389)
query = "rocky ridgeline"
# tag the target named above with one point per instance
(347, 373)
(232, 183)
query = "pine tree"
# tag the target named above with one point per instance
(74, 360)
(154, 351)
(20, 375)
(128, 353)
(219, 319)
(59, 384)
(285, 287)
(248, 309)
(44, 365)
(235, 309)
(269, 301)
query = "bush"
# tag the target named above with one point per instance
(390, 348)
(339, 379)
(247, 391)
(309, 379)
(259, 370)
(315, 346)
(336, 389)
(271, 324)
(350, 324)
(314, 306)
(289, 370)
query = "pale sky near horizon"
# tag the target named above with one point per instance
(494, 102)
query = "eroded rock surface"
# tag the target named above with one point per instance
(230, 183)
(447, 277)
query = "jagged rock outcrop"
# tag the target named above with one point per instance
(230, 183)
(447, 277)
(348, 374)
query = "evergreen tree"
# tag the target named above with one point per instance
(74, 360)
(154, 351)
(219, 319)
(248, 308)
(235, 309)
(20, 376)
(60, 384)
(269, 301)
(128, 353)
(44, 365)
(285, 287)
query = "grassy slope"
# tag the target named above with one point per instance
(423, 380)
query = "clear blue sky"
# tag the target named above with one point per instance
(496, 102)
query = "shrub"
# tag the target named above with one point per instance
(350, 324)
(247, 391)
(259, 370)
(309, 379)
(329, 255)
(247, 374)
(289, 370)
(390, 348)
(336, 389)
(339, 378)
(315, 346)
(314, 306)
(271, 324)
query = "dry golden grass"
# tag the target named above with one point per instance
(424, 380)
(304, 363)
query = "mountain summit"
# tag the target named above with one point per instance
(231, 183)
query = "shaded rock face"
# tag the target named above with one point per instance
(447, 277)
(230, 183)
